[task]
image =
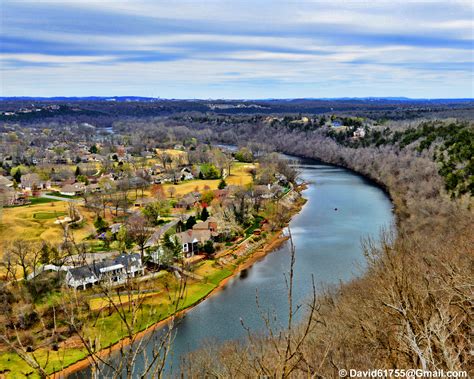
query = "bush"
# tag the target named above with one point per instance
(209, 171)
(244, 155)
(222, 184)
(208, 248)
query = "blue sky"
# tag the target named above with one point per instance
(237, 49)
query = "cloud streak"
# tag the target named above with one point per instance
(237, 49)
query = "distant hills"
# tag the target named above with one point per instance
(273, 100)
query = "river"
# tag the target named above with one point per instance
(342, 209)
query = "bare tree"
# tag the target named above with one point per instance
(171, 191)
(21, 253)
(139, 230)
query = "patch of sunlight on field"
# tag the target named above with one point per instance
(102, 302)
(239, 176)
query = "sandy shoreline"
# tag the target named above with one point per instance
(272, 244)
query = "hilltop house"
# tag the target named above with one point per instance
(109, 271)
(359, 133)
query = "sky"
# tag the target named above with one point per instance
(237, 49)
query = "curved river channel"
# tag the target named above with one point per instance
(328, 246)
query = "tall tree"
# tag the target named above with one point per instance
(139, 231)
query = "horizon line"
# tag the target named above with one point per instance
(2, 98)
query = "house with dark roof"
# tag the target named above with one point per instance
(109, 272)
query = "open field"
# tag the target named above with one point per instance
(35, 222)
(102, 302)
(239, 176)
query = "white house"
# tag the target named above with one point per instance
(359, 133)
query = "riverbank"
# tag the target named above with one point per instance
(273, 241)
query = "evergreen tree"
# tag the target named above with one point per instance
(222, 184)
(100, 225)
(208, 248)
(190, 222)
(204, 214)
(17, 176)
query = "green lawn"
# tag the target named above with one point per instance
(47, 215)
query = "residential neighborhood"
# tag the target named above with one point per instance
(147, 208)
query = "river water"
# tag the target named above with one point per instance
(328, 247)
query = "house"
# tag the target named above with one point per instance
(163, 178)
(109, 271)
(73, 189)
(210, 224)
(146, 154)
(93, 188)
(186, 174)
(32, 181)
(156, 169)
(187, 202)
(192, 239)
(281, 179)
(143, 202)
(359, 133)
(4, 181)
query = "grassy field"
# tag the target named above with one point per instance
(102, 302)
(35, 222)
(239, 176)
(211, 272)
(48, 215)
